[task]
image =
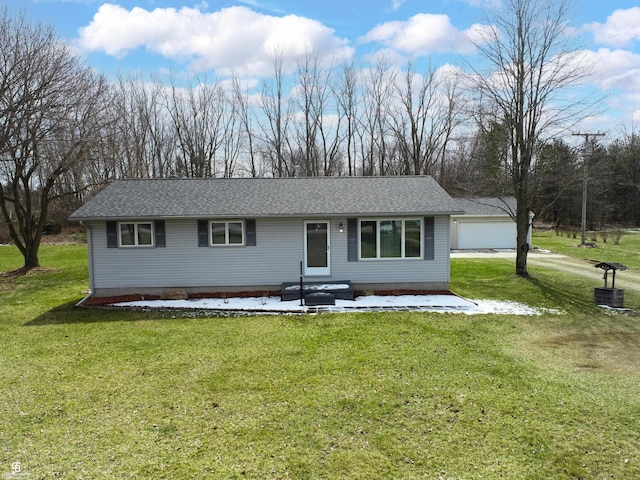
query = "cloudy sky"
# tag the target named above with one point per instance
(223, 36)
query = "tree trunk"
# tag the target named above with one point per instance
(522, 238)
(31, 257)
(28, 247)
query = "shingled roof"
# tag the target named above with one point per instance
(487, 206)
(267, 197)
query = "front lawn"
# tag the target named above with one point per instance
(144, 394)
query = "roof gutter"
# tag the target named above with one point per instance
(269, 215)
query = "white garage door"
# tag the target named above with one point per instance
(486, 234)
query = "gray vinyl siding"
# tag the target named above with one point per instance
(182, 263)
(275, 259)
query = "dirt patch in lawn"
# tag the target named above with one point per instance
(7, 278)
(25, 271)
(612, 351)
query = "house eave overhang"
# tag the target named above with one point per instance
(204, 215)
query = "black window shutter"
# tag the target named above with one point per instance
(250, 231)
(203, 233)
(429, 238)
(352, 239)
(159, 232)
(112, 234)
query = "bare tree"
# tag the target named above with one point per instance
(144, 130)
(317, 139)
(308, 121)
(162, 137)
(427, 113)
(532, 63)
(242, 107)
(197, 114)
(232, 136)
(275, 110)
(346, 95)
(375, 131)
(329, 126)
(103, 166)
(454, 115)
(50, 111)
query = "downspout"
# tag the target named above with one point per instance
(90, 254)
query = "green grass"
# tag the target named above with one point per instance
(496, 279)
(626, 252)
(139, 394)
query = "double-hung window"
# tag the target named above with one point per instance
(226, 232)
(135, 234)
(391, 238)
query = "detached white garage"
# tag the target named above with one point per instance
(486, 224)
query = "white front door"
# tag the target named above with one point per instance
(316, 247)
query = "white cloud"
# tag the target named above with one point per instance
(396, 4)
(246, 84)
(621, 28)
(235, 38)
(385, 55)
(264, 6)
(617, 74)
(451, 73)
(615, 69)
(488, 4)
(424, 34)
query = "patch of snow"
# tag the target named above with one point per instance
(514, 308)
(319, 286)
(434, 303)
(616, 309)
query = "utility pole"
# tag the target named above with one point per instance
(588, 150)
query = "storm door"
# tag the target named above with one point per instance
(316, 248)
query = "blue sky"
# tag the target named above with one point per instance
(224, 36)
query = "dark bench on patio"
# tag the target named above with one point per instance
(318, 293)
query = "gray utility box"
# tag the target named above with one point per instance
(612, 297)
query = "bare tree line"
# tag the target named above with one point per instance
(314, 121)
